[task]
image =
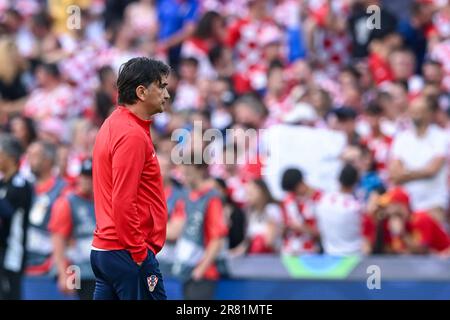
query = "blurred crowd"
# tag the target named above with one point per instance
(248, 64)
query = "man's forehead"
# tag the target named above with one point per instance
(418, 108)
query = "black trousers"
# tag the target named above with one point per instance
(199, 290)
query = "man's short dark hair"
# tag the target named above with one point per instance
(205, 25)
(348, 176)
(416, 8)
(345, 113)
(11, 146)
(14, 13)
(254, 102)
(432, 62)
(353, 71)
(51, 68)
(275, 64)
(215, 53)
(191, 61)
(103, 73)
(374, 109)
(138, 71)
(291, 179)
(42, 19)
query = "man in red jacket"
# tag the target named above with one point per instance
(130, 206)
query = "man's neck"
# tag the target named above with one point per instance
(422, 130)
(44, 178)
(438, 214)
(347, 190)
(259, 207)
(51, 85)
(376, 131)
(138, 111)
(307, 194)
(256, 16)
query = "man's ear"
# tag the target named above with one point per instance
(141, 92)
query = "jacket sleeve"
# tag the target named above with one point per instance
(128, 157)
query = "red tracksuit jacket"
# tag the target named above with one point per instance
(130, 206)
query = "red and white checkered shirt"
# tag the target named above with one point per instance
(81, 70)
(333, 49)
(26, 7)
(441, 22)
(278, 107)
(299, 211)
(44, 104)
(244, 36)
(441, 53)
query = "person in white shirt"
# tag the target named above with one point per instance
(419, 158)
(264, 221)
(339, 217)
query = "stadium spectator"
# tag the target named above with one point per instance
(15, 203)
(321, 101)
(360, 33)
(380, 49)
(276, 96)
(174, 192)
(245, 37)
(210, 33)
(72, 224)
(235, 216)
(402, 63)
(142, 17)
(23, 129)
(188, 94)
(39, 262)
(402, 231)
(299, 204)
(339, 217)
(53, 98)
(346, 122)
(419, 158)
(12, 85)
(393, 99)
(376, 141)
(176, 24)
(200, 229)
(329, 45)
(105, 96)
(114, 11)
(433, 73)
(265, 221)
(417, 29)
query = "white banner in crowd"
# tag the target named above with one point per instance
(315, 151)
